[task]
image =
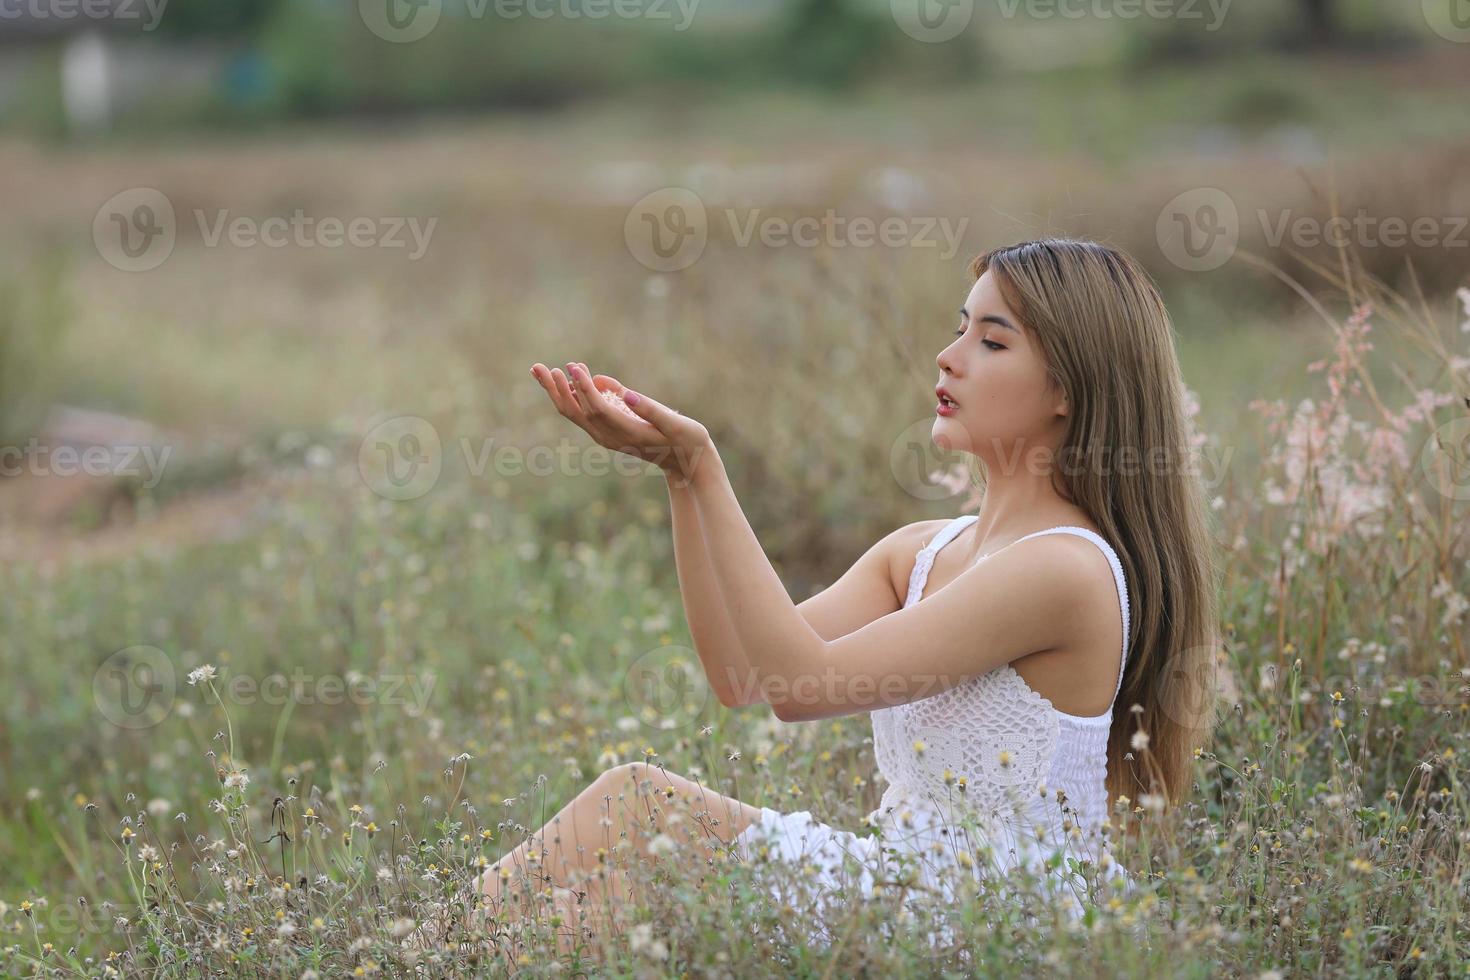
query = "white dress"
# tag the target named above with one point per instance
(1014, 750)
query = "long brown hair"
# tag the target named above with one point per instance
(1108, 341)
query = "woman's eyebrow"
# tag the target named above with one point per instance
(991, 318)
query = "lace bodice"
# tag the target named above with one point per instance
(1014, 753)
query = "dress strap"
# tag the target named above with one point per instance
(925, 558)
(1118, 580)
(950, 531)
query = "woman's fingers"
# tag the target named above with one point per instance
(585, 391)
(565, 397)
(547, 381)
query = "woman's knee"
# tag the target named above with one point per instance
(626, 778)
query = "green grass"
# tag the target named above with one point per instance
(520, 604)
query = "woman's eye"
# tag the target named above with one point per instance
(959, 331)
(993, 345)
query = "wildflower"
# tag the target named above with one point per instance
(1153, 802)
(237, 780)
(205, 673)
(1140, 740)
(642, 941)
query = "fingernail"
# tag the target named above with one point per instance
(630, 397)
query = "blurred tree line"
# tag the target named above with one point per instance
(313, 58)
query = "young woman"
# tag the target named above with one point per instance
(990, 650)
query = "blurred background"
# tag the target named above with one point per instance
(272, 274)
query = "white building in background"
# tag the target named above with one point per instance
(104, 64)
(86, 81)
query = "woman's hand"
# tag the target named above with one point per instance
(625, 421)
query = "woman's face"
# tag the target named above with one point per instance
(998, 382)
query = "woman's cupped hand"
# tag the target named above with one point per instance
(623, 420)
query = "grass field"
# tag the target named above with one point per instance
(456, 665)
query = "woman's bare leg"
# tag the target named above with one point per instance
(632, 802)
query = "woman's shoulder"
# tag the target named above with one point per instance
(907, 540)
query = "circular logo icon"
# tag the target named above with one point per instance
(667, 230)
(665, 687)
(1194, 688)
(400, 21)
(1450, 19)
(401, 459)
(1199, 230)
(1445, 458)
(932, 21)
(925, 468)
(134, 230)
(134, 688)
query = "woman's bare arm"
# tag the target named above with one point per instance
(863, 593)
(715, 638)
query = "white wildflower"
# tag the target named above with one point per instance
(643, 942)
